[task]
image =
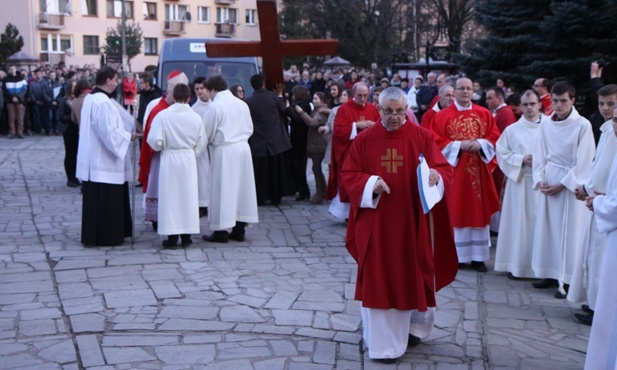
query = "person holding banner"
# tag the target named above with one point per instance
(404, 255)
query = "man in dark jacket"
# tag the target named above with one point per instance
(147, 92)
(269, 144)
(42, 96)
(15, 88)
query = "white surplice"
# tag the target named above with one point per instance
(229, 126)
(203, 161)
(602, 348)
(178, 133)
(586, 276)
(563, 155)
(518, 208)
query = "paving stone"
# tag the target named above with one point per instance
(243, 352)
(6, 299)
(27, 287)
(135, 340)
(165, 289)
(122, 282)
(240, 314)
(43, 313)
(325, 353)
(185, 354)
(75, 290)
(135, 297)
(115, 355)
(75, 264)
(37, 327)
(19, 360)
(185, 312)
(292, 317)
(277, 363)
(63, 352)
(283, 348)
(282, 300)
(82, 305)
(230, 365)
(195, 325)
(90, 322)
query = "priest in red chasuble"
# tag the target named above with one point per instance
(466, 134)
(404, 256)
(352, 117)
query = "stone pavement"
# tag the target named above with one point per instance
(280, 300)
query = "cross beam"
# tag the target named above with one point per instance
(271, 48)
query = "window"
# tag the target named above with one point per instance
(226, 15)
(91, 44)
(203, 14)
(149, 11)
(151, 46)
(54, 43)
(88, 8)
(174, 12)
(251, 16)
(114, 9)
(55, 6)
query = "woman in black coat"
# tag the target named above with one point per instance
(70, 134)
(298, 135)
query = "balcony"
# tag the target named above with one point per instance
(52, 58)
(174, 28)
(48, 21)
(224, 2)
(225, 30)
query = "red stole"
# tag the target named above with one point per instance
(397, 267)
(146, 151)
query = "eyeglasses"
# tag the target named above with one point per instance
(390, 112)
(464, 88)
(529, 104)
(240, 91)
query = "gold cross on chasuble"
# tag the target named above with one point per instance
(391, 161)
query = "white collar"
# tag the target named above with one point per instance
(459, 107)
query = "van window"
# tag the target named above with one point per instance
(234, 73)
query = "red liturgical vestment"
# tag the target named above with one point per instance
(146, 151)
(474, 198)
(391, 243)
(346, 115)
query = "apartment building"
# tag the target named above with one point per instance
(74, 31)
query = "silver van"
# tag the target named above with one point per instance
(188, 55)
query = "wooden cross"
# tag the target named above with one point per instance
(271, 48)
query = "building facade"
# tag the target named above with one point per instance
(74, 31)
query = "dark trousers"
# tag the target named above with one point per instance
(71, 140)
(41, 117)
(298, 173)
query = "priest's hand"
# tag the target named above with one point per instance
(362, 125)
(433, 178)
(551, 190)
(580, 193)
(528, 160)
(381, 187)
(589, 203)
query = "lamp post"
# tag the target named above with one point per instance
(123, 34)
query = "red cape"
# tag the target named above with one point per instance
(427, 117)
(474, 198)
(346, 115)
(397, 267)
(504, 117)
(146, 151)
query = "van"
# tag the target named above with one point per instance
(188, 55)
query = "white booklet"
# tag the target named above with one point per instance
(429, 195)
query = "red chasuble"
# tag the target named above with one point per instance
(427, 117)
(474, 198)
(146, 151)
(547, 105)
(504, 117)
(392, 243)
(346, 115)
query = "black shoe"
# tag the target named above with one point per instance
(186, 240)
(203, 212)
(545, 284)
(72, 184)
(479, 266)
(237, 233)
(512, 277)
(20, 136)
(171, 242)
(302, 197)
(138, 185)
(413, 341)
(584, 319)
(275, 202)
(387, 361)
(587, 309)
(560, 295)
(77, 181)
(217, 237)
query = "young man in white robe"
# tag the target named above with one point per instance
(233, 202)
(586, 277)
(602, 347)
(203, 161)
(103, 165)
(561, 164)
(514, 155)
(178, 133)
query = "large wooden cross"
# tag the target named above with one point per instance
(271, 48)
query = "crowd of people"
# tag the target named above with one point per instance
(523, 164)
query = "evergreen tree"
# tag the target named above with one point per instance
(555, 39)
(133, 39)
(10, 43)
